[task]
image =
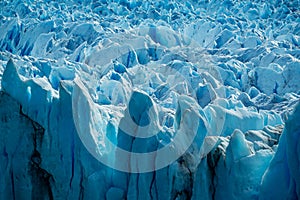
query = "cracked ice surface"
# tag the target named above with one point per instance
(196, 94)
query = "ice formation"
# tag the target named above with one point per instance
(149, 100)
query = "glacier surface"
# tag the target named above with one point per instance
(149, 99)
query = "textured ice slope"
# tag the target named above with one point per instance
(217, 81)
(283, 171)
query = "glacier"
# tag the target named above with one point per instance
(128, 99)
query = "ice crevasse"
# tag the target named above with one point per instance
(149, 100)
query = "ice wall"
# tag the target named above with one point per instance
(223, 76)
(283, 171)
